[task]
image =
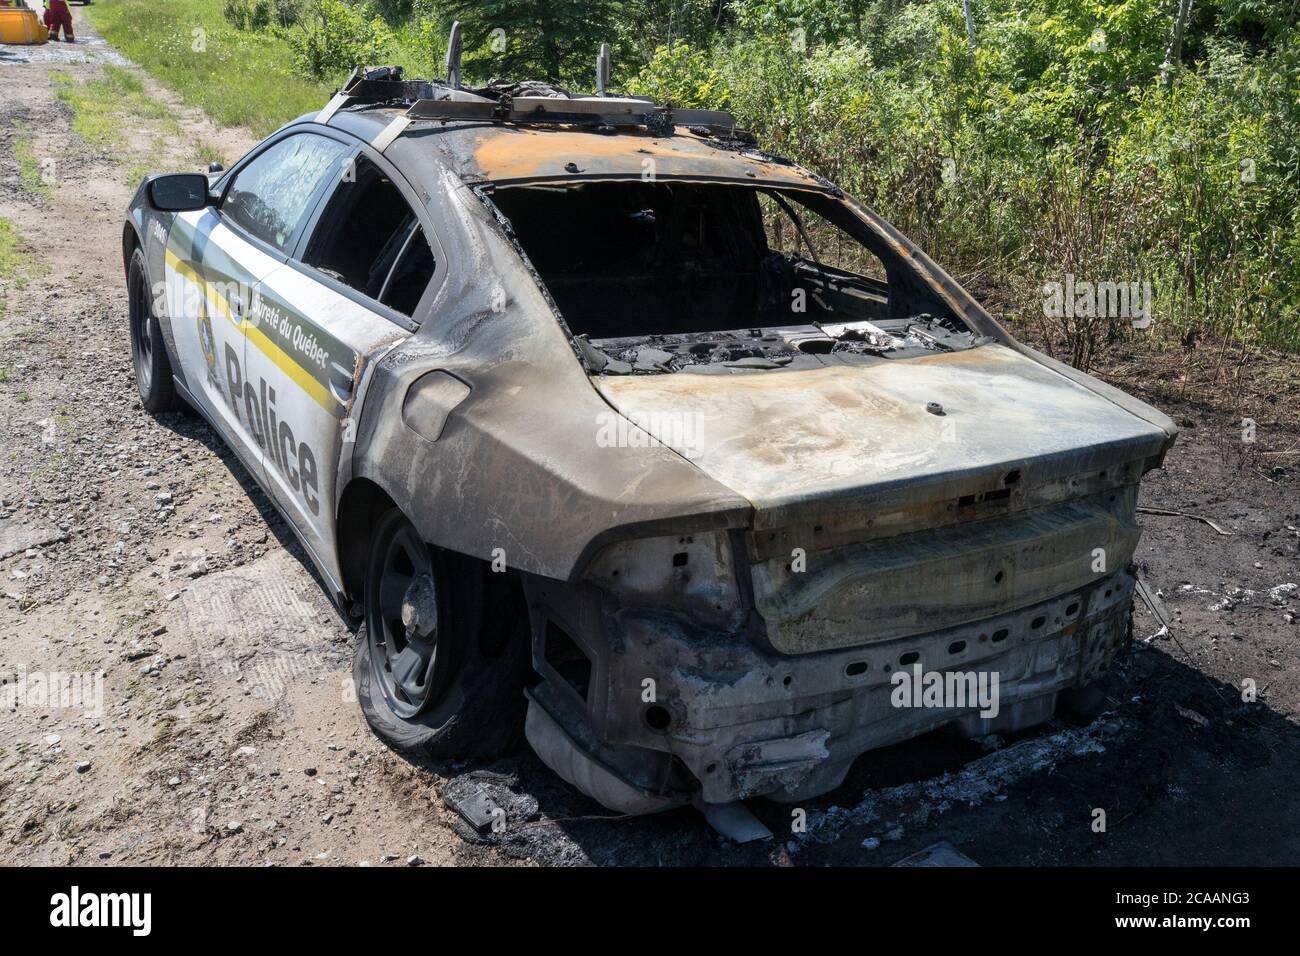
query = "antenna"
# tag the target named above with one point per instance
(453, 57)
(602, 69)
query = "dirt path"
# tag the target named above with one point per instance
(224, 728)
(142, 551)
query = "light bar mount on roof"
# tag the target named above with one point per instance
(448, 109)
(602, 70)
(607, 111)
(449, 101)
(453, 57)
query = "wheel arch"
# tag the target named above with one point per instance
(362, 501)
(130, 242)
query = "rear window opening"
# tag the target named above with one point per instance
(661, 276)
(369, 239)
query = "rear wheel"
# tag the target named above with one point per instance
(153, 370)
(438, 666)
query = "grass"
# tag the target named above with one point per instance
(16, 267)
(12, 258)
(108, 110)
(205, 154)
(101, 107)
(238, 78)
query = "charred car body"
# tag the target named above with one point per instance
(589, 406)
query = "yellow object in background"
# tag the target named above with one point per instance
(21, 25)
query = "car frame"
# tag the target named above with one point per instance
(634, 609)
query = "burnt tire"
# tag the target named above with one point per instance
(153, 369)
(474, 705)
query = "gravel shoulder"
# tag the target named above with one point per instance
(218, 724)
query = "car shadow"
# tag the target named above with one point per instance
(1186, 772)
(192, 425)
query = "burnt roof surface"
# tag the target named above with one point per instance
(512, 151)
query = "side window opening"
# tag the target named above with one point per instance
(271, 196)
(369, 238)
(797, 231)
(830, 275)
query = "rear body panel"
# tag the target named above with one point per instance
(747, 721)
(1020, 489)
(992, 542)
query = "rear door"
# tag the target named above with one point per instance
(364, 266)
(216, 260)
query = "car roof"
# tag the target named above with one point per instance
(505, 152)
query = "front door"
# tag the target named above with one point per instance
(211, 272)
(364, 267)
(217, 260)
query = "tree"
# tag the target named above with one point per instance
(554, 40)
(1174, 54)
(969, 15)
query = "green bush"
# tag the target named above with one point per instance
(287, 11)
(1056, 149)
(332, 37)
(260, 15)
(682, 76)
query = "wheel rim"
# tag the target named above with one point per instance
(141, 339)
(403, 624)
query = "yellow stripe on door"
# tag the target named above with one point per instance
(282, 359)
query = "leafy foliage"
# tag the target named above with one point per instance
(1057, 149)
(534, 39)
(260, 14)
(1061, 146)
(332, 37)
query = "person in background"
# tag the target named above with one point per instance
(58, 15)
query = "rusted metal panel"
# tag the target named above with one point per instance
(732, 703)
(911, 584)
(784, 440)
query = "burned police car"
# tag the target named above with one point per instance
(616, 430)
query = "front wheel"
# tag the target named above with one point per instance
(153, 370)
(438, 667)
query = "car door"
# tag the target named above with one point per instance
(216, 259)
(364, 266)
